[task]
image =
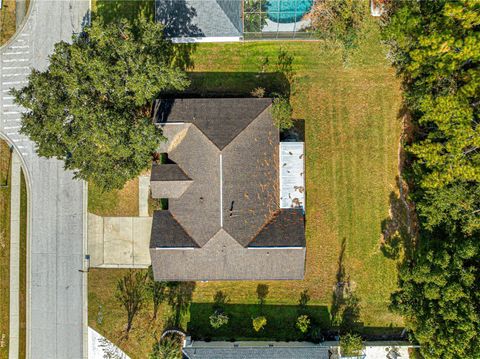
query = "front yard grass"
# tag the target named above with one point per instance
(5, 163)
(116, 203)
(7, 20)
(5, 156)
(352, 135)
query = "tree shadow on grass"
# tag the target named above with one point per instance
(235, 84)
(345, 312)
(179, 296)
(109, 10)
(280, 325)
(397, 237)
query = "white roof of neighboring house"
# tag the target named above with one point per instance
(292, 174)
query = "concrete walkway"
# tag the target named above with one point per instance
(13, 345)
(143, 194)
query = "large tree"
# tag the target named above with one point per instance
(91, 106)
(434, 45)
(439, 295)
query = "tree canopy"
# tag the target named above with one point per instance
(91, 106)
(434, 45)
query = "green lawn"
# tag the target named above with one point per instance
(130, 9)
(23, 268)
(4, 247)
(352, 136)
(115, 203)
(7, 20)
(5, 156)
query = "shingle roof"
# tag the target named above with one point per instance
(168, 233)
(230, 152)
(285, 229)
(200, 18)
(221, 120)
(310, 352)
(168, 172)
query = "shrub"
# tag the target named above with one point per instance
(259, 323)
(282, 113)
(303, 323)
(351, 344)
(258, 92)
(218, 319)
(338, 19)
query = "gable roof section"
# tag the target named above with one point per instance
(285, 229)
(250, 179)
(220, 119)
(168, 172)
(168, 233)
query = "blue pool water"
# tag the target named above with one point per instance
(286, 11)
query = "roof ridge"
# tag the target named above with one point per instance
(253, 120)
(188, 234)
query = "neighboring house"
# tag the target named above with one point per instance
(233, 20)
(201, 20)
(225, 218)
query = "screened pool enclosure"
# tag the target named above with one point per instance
(276, 18)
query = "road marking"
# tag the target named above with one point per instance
(15, 60)
(15, 67)
(14, 82)
(19, 47)
(16, 53)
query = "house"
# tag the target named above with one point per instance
(201, 20)
(221, 177)
(233, 20)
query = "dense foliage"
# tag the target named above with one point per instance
(434, 45)
(282, 113)
(351, 345)
(338, 19)
(168, 348)
(91, 106)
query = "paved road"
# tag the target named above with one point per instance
(55, 313)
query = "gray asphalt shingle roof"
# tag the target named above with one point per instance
(168, 172)
(221, 120)
(231, 207)
(200, 18)
(258, 353)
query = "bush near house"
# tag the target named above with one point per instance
(259, 323)
(351, 345)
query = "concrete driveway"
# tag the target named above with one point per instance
(119, 242)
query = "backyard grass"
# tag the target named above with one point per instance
(7, 20)
(116, 203)
(352, 131)
(4, 247)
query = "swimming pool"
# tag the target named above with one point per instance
(287, 11)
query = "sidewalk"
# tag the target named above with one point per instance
(14, 258)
